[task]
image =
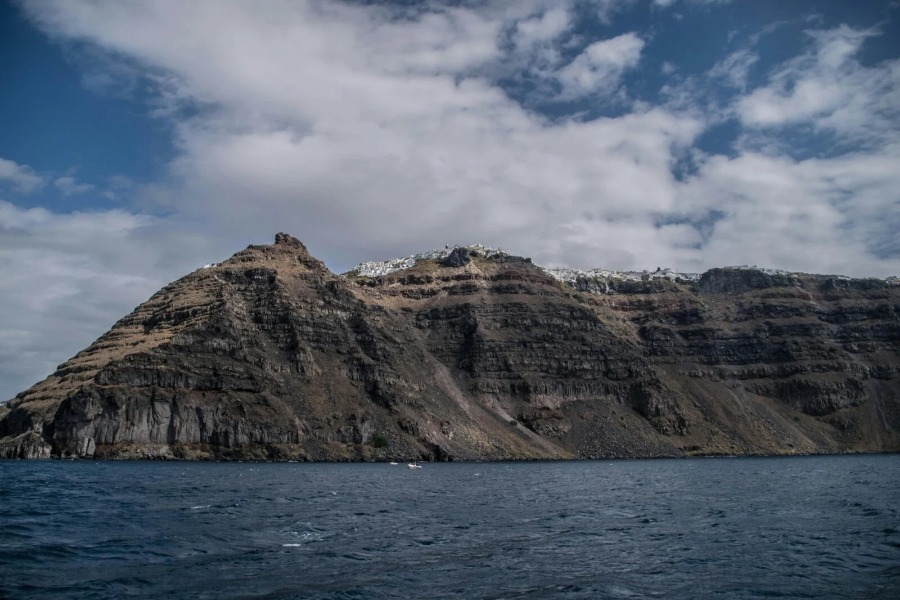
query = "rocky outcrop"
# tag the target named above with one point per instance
(469, 354)
(736, 280)
(458, 257)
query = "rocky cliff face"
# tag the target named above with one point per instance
(474, 354)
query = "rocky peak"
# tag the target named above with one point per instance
(287, 251)
(287, 240)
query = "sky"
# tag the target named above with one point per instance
(142, 140)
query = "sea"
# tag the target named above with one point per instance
(730, 528)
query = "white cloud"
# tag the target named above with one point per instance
(606, 10)
(734, 69)
(69, 186)
(69, 277)
(542, 28)
(323, 124)
(599, 68)
(815, 215)
(367, 134)
(828, 88)
(807, 98)
(20, 176)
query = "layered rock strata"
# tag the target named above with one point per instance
(473, 354)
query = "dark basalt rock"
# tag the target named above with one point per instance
(283, 239)
(269, 356)
(458, 257)
(735, 280)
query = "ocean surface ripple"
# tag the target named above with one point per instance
(811, 527)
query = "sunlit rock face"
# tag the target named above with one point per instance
(469, 353)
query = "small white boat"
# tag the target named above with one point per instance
(393, 464)
(414, 465)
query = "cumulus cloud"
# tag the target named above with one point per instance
(22, 177)
(323, 123)
(828, 88)
(761, 200)
(599, 68)
(606, 10)
(69, 186)
(63, 277)
(372, 130)
(542, 27)
(69, 277)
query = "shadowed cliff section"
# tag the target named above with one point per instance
(473, 355)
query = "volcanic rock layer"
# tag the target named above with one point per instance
(475, 355)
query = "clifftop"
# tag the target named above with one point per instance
(604, 281)
(470, 353)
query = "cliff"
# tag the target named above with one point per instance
(470, 353)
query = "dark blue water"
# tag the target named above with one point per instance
(815, 527)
